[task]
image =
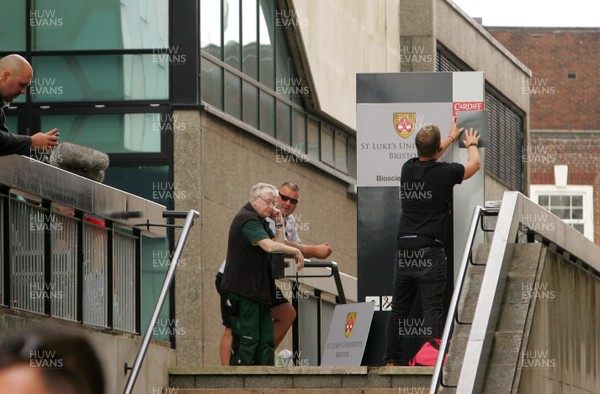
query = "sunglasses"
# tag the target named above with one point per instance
(286, 198)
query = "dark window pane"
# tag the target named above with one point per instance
(92, 24)
(250, 104)
(11, 121)
(312, 139)
(114, 133)
(327, 145)
(577, 213)
(12, 28)
(543, 200)
(231, 34)
(283, 122)
(267, 113)
(211, 80)
(155, 254)
(561, 213)
(156, 260)
(578, 227)
(266, 38)
(105, 77)
(577, 201)
(249, 38)
(560, 201)
(299, 131)
(210, 27)
(233, 95)
(341, 156)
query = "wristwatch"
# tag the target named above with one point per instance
(472, 144)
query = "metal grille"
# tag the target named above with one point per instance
(27, 288)
(504, 155)
(95, 247)
(63, 283)
(124, 282)
(503, 160)
(352, 157)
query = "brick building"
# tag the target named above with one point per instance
(564, 145)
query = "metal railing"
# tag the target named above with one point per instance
(69, 246)
(477, 219)
(340, 299)
(139, 358)
(517, 214)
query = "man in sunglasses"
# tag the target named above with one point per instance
(282, 311)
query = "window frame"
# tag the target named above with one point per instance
(587, 192)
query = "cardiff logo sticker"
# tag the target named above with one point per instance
(350, 322)
(404, 123)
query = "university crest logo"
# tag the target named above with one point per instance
(350, 322)
(404, 123)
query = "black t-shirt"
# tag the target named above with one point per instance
(426, 195)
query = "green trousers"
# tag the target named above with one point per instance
(252, 329)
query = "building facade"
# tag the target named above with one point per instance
(565, 112)
(196, 101)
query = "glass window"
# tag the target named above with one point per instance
(83, 24)
(105, 77)
(211, 81)
(327, 146)
(109, 133)
(233, 95)
(341, 143)
(267, 113)
(231, 34)
(210, 27)
(266, 37)
(12, 28)
(150, 181)
(250, 104)
(250, 38)
(11, 121)
(312, 139)
(570, 205)
(283, 122)
(299, 131)
(156, 260)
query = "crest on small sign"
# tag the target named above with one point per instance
(404, 123)
(350, 322)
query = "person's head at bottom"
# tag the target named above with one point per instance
(45, 361)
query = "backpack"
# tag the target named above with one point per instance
(427, 355)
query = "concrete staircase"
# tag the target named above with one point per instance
(512, 327)
(302, 379)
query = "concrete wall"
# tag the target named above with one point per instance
(113, 350)
(563, 346)
(343, 38)
(216, 164)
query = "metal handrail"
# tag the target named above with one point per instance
(335, 272)
(452, 316)
(189, 222)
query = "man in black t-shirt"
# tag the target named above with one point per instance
(426, 195)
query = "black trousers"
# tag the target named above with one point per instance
(425, 267)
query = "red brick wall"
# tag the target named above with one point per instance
(559, 103)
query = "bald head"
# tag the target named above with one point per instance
(15, 76)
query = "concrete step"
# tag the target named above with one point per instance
(397, 390)
(301, 378)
